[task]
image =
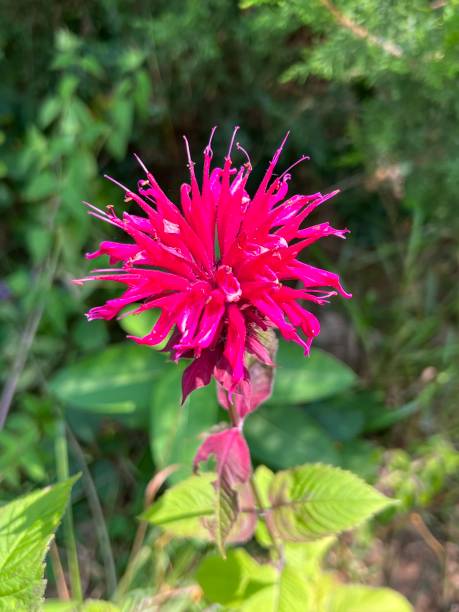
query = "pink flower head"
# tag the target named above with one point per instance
(221, 268)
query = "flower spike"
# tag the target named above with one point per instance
(217, 302)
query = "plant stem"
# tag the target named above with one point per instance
(233, 415)
(360, 32)
(62, 466)
(236, 421)
(137, 547)
(58, 572)
(98, 515)
(45, 278)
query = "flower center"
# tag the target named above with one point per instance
(228, 283)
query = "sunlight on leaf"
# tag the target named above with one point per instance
(312, 501)
(27, 526)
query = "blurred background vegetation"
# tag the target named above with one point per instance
(370, 91)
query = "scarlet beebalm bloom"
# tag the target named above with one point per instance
(217, 267)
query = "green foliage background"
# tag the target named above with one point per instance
(370, 91)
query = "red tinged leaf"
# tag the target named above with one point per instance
(235, 515)
(232, 456)
(250, 393)
(259, 384)
(198, 373)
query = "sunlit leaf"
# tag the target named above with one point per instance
(307, 556)
(116, 380)
(181, 509)
(188, 508)
(357, 598)
(312, 501)
(233, 580)
(26, 528)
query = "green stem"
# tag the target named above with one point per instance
(235, 420)
(233, 415)
(62, 466)
(98, 515)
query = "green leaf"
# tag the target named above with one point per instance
(41, 186)
(20, 450)
(95, 605)
(175, 430)
(49, 111)
(301, 379)
(312, 501)
(362, 458)
(290, 592)
(386, 418)
(55, 605)
(114, 381)
(282, 436)
(342, 417)
(307, 556)
(140, 324)
(233, 580)
(263, 478)
(293, 594)
(121, 118)
(26, 528)
(191, 509)
(356, 598)
(90, 605)
(92, 337)
(181, 510)
(225, 516)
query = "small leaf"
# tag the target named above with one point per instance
(41, 186)
(122, 116)
(263, 480)
(293, 594)
(302, 379)
(307, 556)
(312, 501)
(232, 580)
(181, 509)
(290, 593)
(232, 455)
(186, 509)
(258, 388)
(233, 469)
(224, 518)
(27, 526)
(20, 450)
(255, 391)
(357, 598)
(49, 111)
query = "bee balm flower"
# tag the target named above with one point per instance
(217, 267)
